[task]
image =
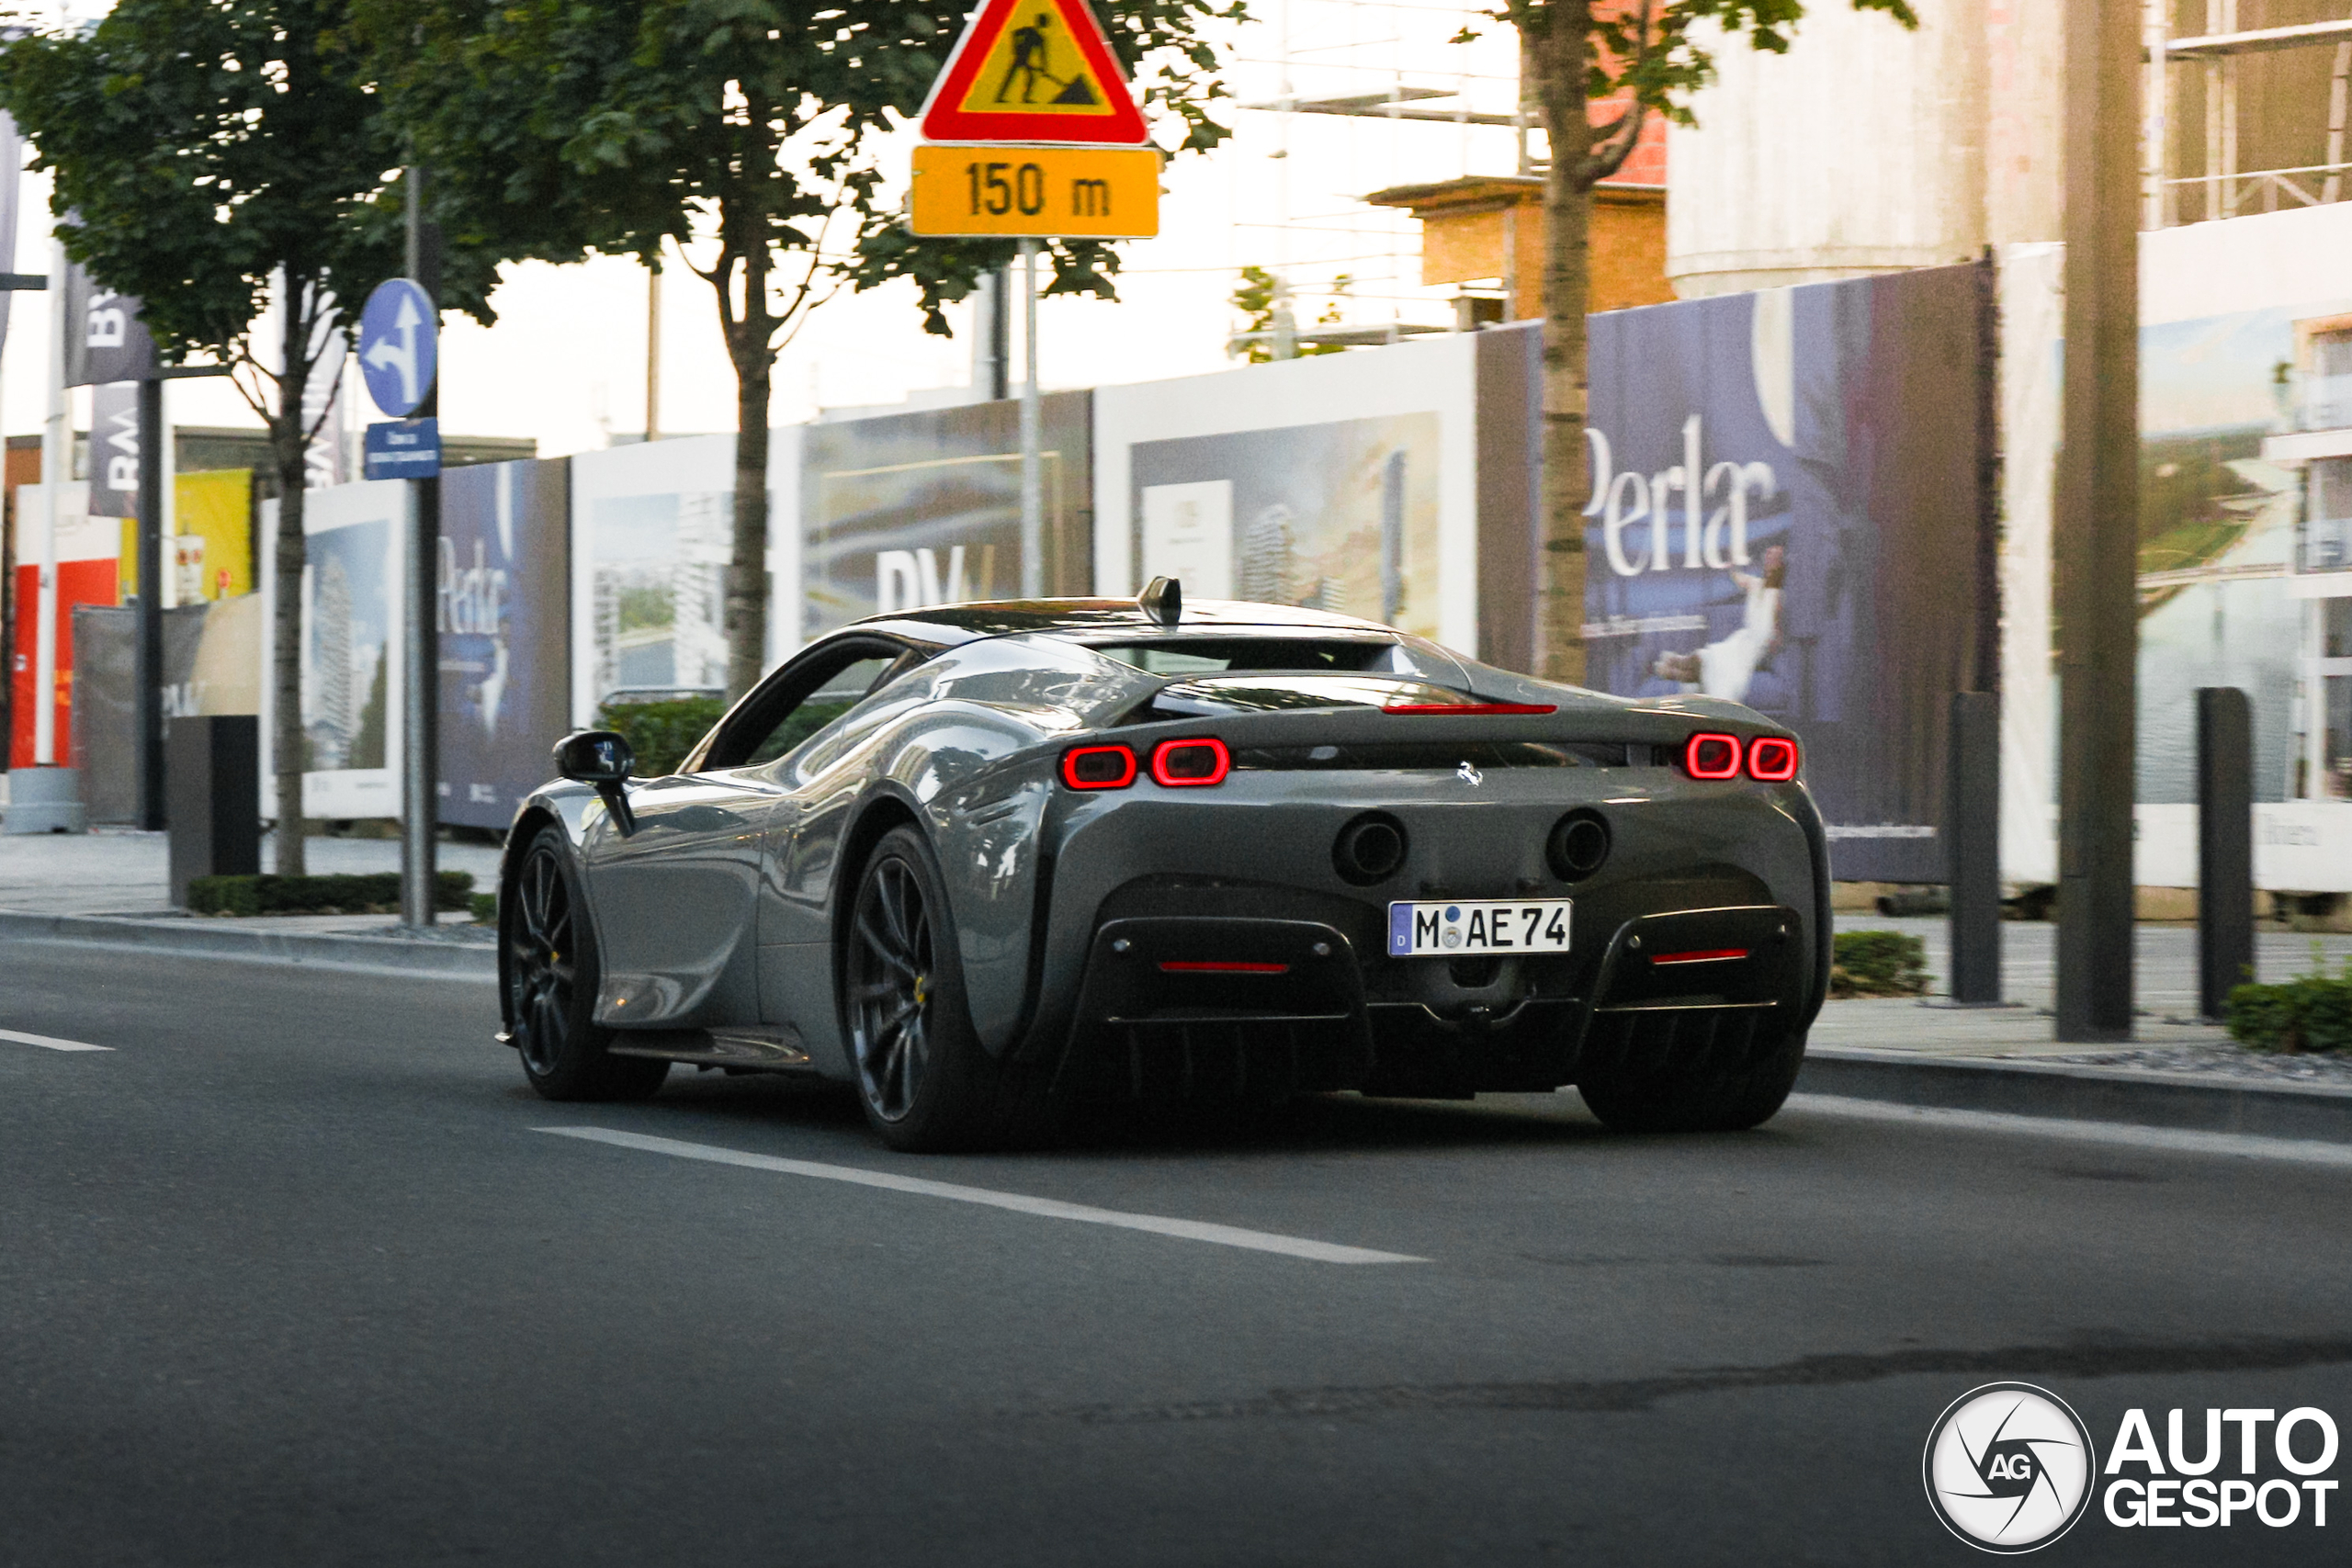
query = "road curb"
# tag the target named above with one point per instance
(318, 950)
(2205, 1103)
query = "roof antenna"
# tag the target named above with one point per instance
(1163, 601)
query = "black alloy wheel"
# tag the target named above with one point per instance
(924, 1077)
(551, 985)
(891, 959)
(542, 953)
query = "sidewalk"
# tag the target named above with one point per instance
(118, 871)
(112, 886)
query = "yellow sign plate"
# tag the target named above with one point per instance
(1087, 193)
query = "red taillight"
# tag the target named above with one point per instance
(1712, 756)
(1098, 767)
(1187, 764)
(1461, 708)
(1771, 759)
(1700, 955)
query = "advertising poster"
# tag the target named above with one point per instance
(87, 548)
(2245, 539)
(1340, 516)
(652, 535)
(1349, 482)
(213, 549)
(1785, 513)
(924, 508)
(502, 612)
(351, 680)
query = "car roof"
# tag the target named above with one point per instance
(962, 623)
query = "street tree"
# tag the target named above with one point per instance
(207, 156)
(1643, 58)
(745, 136)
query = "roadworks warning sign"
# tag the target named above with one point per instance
(1033, 71)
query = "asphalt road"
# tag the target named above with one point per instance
(292, 1273)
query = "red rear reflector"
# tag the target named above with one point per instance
(1700, 955)
(1098, 767)
(1771, 759)
(1708, 755)
(1188, 764)
(1458, 708)
(1186, 967)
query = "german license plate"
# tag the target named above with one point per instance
(1461, 928)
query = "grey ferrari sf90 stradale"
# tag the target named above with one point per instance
(990, 862)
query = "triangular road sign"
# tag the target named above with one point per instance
(1033, 71)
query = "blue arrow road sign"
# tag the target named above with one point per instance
(396, 346)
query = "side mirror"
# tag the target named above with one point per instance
(605, 760)
(595, 757)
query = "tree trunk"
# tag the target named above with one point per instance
(1560, 66)
(751, 344)
(287, 452)
(747, 574)
(286, 648)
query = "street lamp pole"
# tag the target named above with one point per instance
(2098, 521)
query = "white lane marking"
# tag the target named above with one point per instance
(2165, 1140)
(48, 1043)
(1049, 1208)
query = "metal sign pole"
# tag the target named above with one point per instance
(421, 664)
(1032, 487)
(56, 461)
(148, 704)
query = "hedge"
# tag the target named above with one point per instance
(1877, 963)
(376, 893)
(2310, 1013)
(661, 733)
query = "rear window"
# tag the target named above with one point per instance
(1213, 656)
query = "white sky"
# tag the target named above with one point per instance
(566, 363)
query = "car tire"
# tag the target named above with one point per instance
(551, 974)
(926, 1082)
(1719, 1088)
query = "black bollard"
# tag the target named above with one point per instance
(2225, 846)
(215, 777)
(1972, 846)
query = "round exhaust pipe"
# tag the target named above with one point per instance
(1369, 848)
(1579, 845)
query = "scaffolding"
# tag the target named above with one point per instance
(1366, 88)
(2222, 188)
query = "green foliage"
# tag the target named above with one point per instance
(661, 733)
(571, 126)
(1256, 298)
(376, 893)
(485, 908)
(201, 146)
(1877, 963)
(2310, 1013)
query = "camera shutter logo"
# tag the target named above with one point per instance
(2009, 1467)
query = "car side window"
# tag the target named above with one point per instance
(834, 695)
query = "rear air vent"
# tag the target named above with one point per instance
(1369, 848)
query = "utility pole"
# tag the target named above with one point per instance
(1033, 477)
(2098, 510)
(421, 686)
